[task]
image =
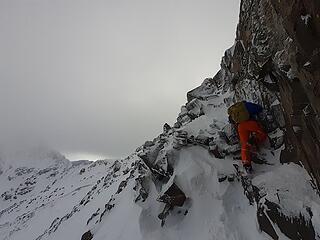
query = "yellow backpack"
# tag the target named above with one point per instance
(238, 112)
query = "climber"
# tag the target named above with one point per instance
(244, 116)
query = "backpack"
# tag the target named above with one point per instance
(238, 112)
(253, 108)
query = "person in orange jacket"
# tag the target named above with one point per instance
(250, 133)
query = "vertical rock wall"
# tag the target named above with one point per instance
(275, 61)
(277, 55)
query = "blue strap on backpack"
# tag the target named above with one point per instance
(253, 109)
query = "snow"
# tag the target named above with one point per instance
(307, 64)
(275, 103)
(290, 74)
(57, 199)
(305, 18)
(294, 192)
(39, 156)
(214, 210)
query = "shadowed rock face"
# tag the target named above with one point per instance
(277, 56)
(87, 236)
(293, 227)
(301, 21)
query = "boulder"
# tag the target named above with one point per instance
(166, 128)
(177, 125)
(194, 108)
(293, 227)
(180, 139)
(116, 166)
(148, 144)
(202, 139)
(174, 196)
(87, 236)
(208, 89)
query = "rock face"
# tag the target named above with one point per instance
(276, 56)
(87, 236)
(293, 228)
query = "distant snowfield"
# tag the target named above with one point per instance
(75, 156)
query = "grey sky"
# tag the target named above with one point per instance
(103, 76)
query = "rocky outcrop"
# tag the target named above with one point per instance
(293, 227)
(87, 236)
(275, 61)
(172, 197)
(269, 64)
(280, 53)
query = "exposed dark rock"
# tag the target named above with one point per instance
(23, 170)
(148, 144)
(93, 216)
(231, 177)
(208, 89)
(142, 187)
(276, 56)
(216, 151)
(278, 115)
(174, 196)
(6, 195)
(202, 139)
(126, 171)
(166, 128)
(294, 227)
(222, 178)
(122, 185)
(150, 151)
(87, 236)
(251, 191)
(116, 166)
(180, 139)
(194, 108)
(177, 125)
(265, 224)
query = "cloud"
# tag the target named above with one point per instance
(104, 76)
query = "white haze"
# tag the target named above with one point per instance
(101, 77)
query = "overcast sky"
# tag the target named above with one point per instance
(100, 77)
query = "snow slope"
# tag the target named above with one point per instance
(117, 199)
(183, 184)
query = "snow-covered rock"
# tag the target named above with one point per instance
(184, 184)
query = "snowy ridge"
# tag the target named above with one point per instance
(49, 199)
(118, 199)
(183, 184)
